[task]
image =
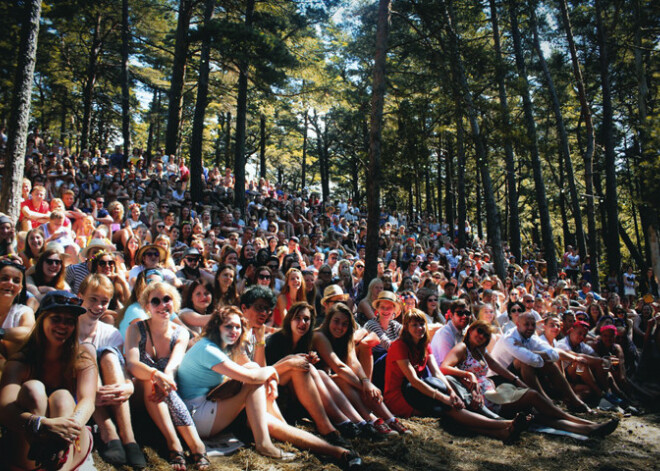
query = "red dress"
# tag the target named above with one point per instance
(394, 378)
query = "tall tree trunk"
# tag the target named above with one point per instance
(450, 198)
(439, 180)
(512, 191)
(228, 142)
(88, 91)
(241, 119)
(304, 151)
(125, 81)
(178, 77)
(429, 190)
(375, 129)
(607, 131)
(262, 146)
(461, 208)
(549, 251)
(20, 112)
(588, 153)
(563, 139)
(157, 130)
(197, 138)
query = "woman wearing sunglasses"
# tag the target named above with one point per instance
(48, 275)
(154, 350)
(469, 361)
(16, 319)
(48, 390)
(105, 264)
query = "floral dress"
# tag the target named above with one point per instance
(480, 370)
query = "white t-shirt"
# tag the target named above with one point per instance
(107, 336)
(14, 315)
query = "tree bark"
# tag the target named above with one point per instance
(125, 81)
(588, 154)
(607, 130)
(241, 120)
(512, 191)
(461, 210)
(20, 112)
(197, 138)
(88, 91)
(450, 197)
(178, 77)
(303, 177)
(549, 251)
(228, 142)
(375, 130)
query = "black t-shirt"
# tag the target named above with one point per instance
(278, 346)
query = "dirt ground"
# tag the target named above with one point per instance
(634, 446)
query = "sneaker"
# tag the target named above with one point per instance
(113, 452)
(369, 431)
(134, 456)
(383, 429)
(398, 427)
(349, 430)
(351, 460)
(335, 438)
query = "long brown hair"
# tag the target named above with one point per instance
(344, 345)
(417, 350)
(305, 342)
(212, 329)
(38, 276)
(301, 295)
(487, 328)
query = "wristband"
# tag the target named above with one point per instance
(362, 380)
(261, 344)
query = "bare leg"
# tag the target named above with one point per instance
(308, 395)
(355, 398)
(560, 383)
(340, 398)
(366, 358)
(331, 408)
(301, 439)
(61, 404)
(112, 373)
(31, 398)
(255, 407)
(586, 377)
(529, 375)
(546, 409)
(191, 437)
(160, 414)
(478, 423)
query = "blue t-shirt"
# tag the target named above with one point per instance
(195, 376)
(135, 312)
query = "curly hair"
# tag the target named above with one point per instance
(217, 320)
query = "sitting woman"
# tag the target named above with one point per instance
(48, 275)
(225, 291)
(154, 350)
(198, 305)
(210, 362)
(34, 245)
(429, 305)
(292, 292)
(335, 344)
(104, 263)
(47, 391)
(387, 307)
(487, 314)
(289, 351)
(470, 361)
(365, 311)
(16, 319)
(414, 385)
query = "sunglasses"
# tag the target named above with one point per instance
(516, 310)
(264, 277)
(152, 254)
(66, 300)
(359, 266)
(432, 300)
(192, 259)
(106, 263)
(53, 262)
(481, 331)
(462, 313)
(156, 301)
(324, 272)
(261, 308)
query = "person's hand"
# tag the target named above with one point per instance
(313, 357)
(471, 381)
(65, 429)
(477, 399)
(259, 333)
(164, 381)
(299, 361)
(371, 392)
(46, 289)
(455, 401)
(271, 390)
(114, 394)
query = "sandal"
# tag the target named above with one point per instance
(201, 461)
(177, 460)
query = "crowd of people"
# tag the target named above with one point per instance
(119, 295)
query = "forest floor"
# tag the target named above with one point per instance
(634, 446)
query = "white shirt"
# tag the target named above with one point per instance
(583, 348)
(16, 312)
(107, 336)
(444, 340)
(512, 346)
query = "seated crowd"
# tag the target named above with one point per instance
(213, 320)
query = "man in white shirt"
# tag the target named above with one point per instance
(452, 333)
(524, 353)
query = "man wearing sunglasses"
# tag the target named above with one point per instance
(452, 333)
(191, 267)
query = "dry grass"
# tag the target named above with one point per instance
(634, 446)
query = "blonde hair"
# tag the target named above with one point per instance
(165, 288)
(95, 282)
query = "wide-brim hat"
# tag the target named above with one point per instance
(333, 291)
(505, 394)
(144, 248)
(102, 244)
(387, 296)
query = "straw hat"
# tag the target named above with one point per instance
(387, 296)
(505, 393)
(333, 291)
(144, 248)
(102, 244)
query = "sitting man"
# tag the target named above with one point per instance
(118, 445)
(524, 353)
(452, 333)
(586, 373)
